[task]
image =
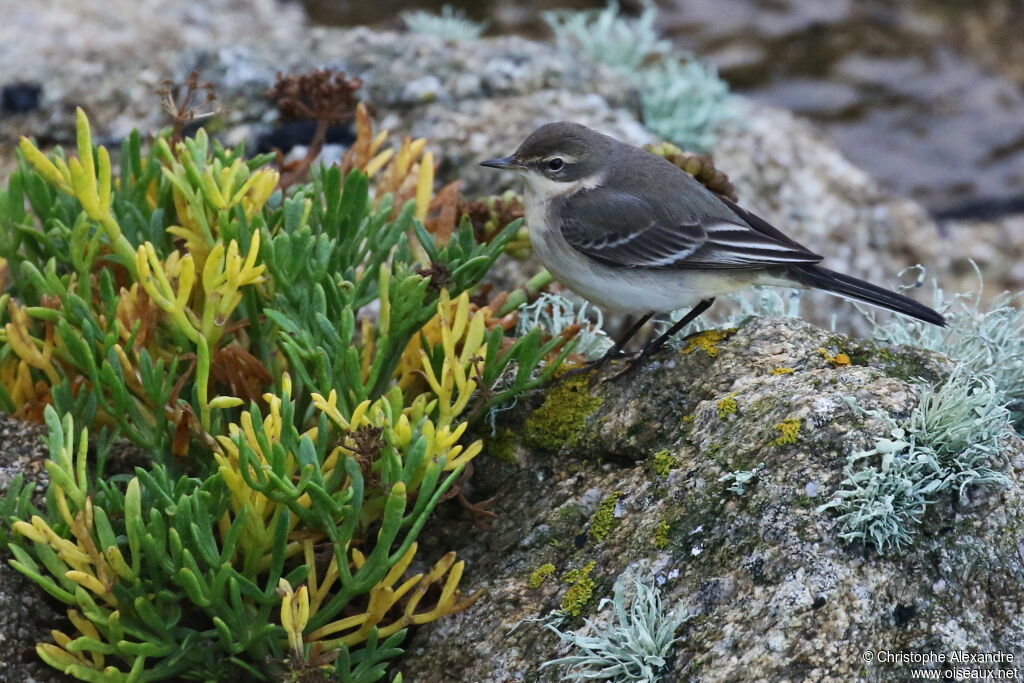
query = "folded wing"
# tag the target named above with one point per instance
(625, 230)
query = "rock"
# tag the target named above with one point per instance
(26, 618)
(772, 591)
(20, 98)
(994, 245)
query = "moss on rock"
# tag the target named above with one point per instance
(727, 406)
(660, 540)
(663, 462)
(560, 419)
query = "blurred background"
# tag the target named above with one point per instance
(926, 95)
(923, 98)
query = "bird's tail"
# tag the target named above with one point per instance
(852, 288)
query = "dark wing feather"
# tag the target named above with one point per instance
(624, 230)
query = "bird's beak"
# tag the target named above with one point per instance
(504, 163)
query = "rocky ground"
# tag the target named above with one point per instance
(625, 475)
(773, 593)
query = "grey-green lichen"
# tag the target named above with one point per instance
(951, 441)
(740, 478)
(636, 646)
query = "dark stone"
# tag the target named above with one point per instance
(289, 135)
(20, 98)
(903, 614)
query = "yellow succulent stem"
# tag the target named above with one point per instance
(203, 381)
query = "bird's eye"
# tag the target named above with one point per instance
(555, 164)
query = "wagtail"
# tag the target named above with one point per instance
(632, 232)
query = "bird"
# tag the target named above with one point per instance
(631, 232)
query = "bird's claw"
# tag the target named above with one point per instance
(613, 354)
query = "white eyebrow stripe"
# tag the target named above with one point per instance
(564, 157)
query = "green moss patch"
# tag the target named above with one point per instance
(727, 406)
(663, 462)
(560, 419)
(661, 535)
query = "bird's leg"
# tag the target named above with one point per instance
(653, 346)
(695, 313)
(615, 350)
(619, 345)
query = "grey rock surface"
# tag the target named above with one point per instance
(995, 245)
(773, 592)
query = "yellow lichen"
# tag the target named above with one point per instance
(540, 575)
(559, 420)
(789, 431)
(782, 371)
(839, 359)
(603, 521)
(707, 341)
(661, 535)
(727, 406)
(581, 589)
(689, 418)
(663, 462)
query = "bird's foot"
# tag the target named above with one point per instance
(612, 354)
(638, 359)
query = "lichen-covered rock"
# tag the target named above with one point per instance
(636, 487)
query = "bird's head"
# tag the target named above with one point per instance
(559, 158)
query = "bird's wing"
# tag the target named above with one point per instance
(625, 230)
